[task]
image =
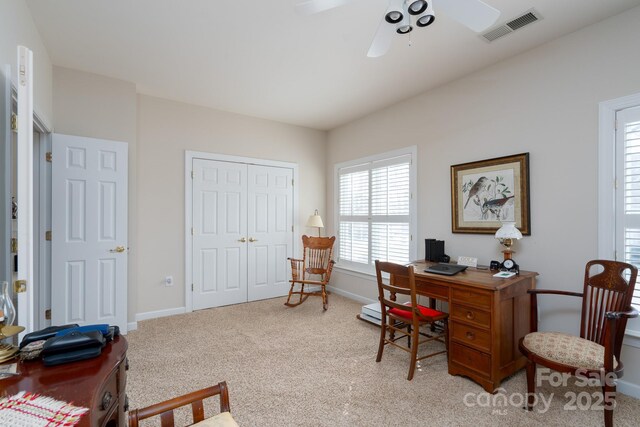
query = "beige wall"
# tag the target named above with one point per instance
(17, 28)
(95, 106)
(544, 102)
(165, 130)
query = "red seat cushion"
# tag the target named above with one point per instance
(425, 311)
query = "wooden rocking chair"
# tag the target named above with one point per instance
(316, 260)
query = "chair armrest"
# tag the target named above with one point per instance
(329, 270)
(297, 269)
(631, 313)
(533, 316)
(554, 292)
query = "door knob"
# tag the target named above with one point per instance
(118, 249)
(242, 240)
(251, 239)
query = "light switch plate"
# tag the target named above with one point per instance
(468, 261)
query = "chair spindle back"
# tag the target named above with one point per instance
(608, 286)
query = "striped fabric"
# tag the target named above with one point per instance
(32, 410)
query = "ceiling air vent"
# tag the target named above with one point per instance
(526, 18)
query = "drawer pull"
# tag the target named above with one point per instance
(106, 400)
(470, 315)
(126, 364)
(470, 335)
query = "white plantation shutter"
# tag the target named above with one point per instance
(628, 190)
(375, 211)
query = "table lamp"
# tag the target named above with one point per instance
(506, 235)
(315, 221)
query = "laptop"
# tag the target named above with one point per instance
(446, 269)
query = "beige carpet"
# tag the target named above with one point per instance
(305, 367)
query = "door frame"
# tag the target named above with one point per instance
(189, 156)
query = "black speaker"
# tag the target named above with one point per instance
(433, 250)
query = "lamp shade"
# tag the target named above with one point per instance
(315, 220)
(508, 231)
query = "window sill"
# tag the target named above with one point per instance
(632, 338)
(361, 274)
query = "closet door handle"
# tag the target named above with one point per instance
(242, 240)
(251, 239)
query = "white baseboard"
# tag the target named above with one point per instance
(630, 389)
(132, 326)
(160, 313)
(351, 295)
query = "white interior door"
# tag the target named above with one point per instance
(24, 190)
(219, 233)
(89, 231)
(270, 216)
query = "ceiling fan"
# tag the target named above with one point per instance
(474, 14)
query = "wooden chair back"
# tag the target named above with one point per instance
(404, 283)
(165, 409)
(608, 286)
(318, 253)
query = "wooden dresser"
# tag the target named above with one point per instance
(487, 318)
(98, 384)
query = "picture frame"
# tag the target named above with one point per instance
(486, 192)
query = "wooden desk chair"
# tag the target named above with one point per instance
(316, 260)
(606, 306)
(405, 319)
(165, 409)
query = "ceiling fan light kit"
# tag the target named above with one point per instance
(404, 26)
(474, 14)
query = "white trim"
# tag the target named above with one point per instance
(189, 156)
(132, 326)
(606, 171)
(606, 176)
(632, 338)
(351, 295)
(413, 203)
(630, 389)
(366, 275)
(159, 313)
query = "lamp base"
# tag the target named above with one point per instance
(507, 254)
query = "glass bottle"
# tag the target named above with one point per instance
(6, 305)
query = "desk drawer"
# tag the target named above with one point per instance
(471, 315)
(478, 299)
(470, 358)
(472, 336)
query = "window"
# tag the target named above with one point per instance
(619, 190)
(627, 221)
(376, 210)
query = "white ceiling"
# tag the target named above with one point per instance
(260, 58)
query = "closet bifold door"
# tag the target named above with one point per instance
(219, 233)
(270, 237)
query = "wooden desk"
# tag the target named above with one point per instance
(97, 384)
(487, 318)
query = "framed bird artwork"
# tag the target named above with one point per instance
(487, 192)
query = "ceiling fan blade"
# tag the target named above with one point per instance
(309, 7)
(474, 14)
(382, 40)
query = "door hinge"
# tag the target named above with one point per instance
(14, 245)
(292, 228)
(47, 314)
(48, 157)
(192, 231)
(14, 122)
(47, 236)
(192, 287)
(615, 183)
(20, 286)
(193, 175)
(292, 182)
(615, 125)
